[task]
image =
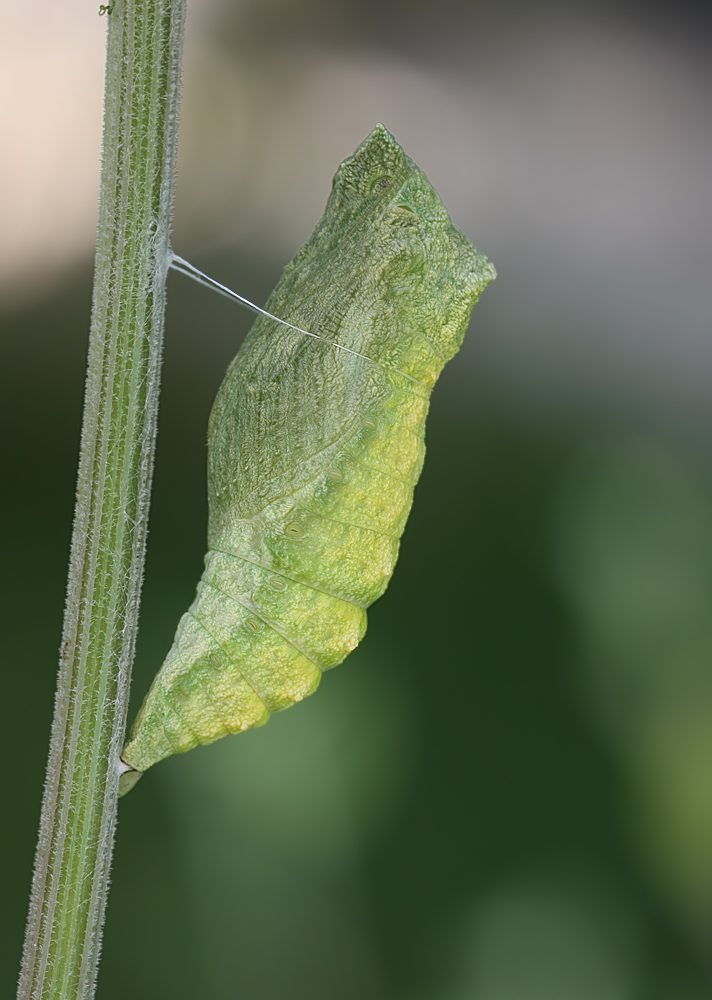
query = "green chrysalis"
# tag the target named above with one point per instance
(314, 449)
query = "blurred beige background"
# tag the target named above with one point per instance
(582, 137)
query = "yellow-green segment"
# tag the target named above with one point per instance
(314, 453)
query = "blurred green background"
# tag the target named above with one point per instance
(506, 792)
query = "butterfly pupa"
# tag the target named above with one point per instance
(315, 445)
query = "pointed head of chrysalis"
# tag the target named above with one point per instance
(387, 228)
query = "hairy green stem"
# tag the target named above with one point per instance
(76, 836)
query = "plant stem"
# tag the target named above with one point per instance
(76, 836)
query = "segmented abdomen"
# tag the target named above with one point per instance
(284, 594)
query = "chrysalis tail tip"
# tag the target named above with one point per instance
(128, 776)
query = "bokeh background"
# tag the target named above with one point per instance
(506, 792)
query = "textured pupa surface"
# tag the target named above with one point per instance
(314, 452)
